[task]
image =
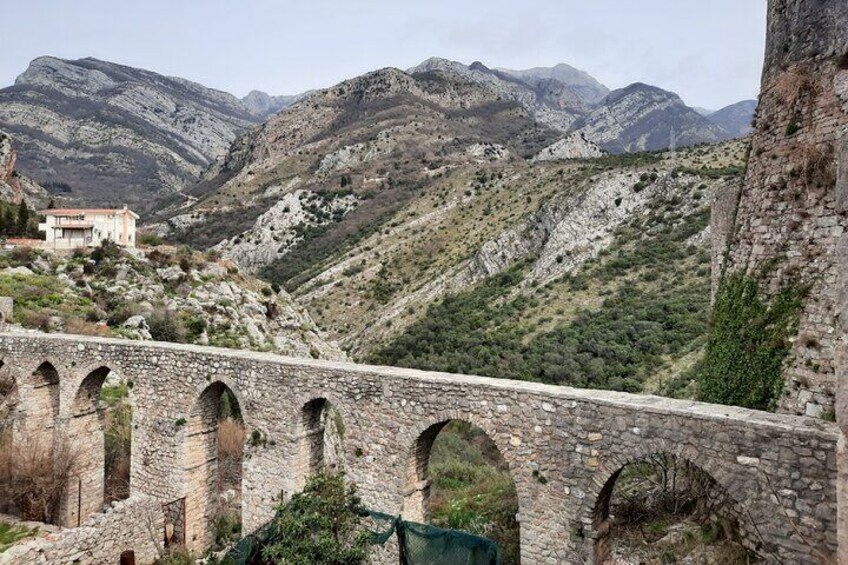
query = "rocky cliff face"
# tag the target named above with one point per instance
(103, 133)
(263, 105)
(15, 187)
(641, 118)
(791, 213)
(580, 82)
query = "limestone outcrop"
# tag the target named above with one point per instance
(14, 186)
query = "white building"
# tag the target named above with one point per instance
(70, 228)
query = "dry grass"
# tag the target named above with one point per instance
(818, 166)
(34, 476)
(794, 83)
(78, 326)
(231, 435)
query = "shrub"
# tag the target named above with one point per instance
(149, 239)
(164, 325)
(320, 526)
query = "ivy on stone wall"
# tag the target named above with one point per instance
(748, 342)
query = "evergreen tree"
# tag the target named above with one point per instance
(8, 220)
(23, 218)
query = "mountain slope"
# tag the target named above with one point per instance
(157, 293)
(641, 118)
(342, 159)
(108, 134)
(735, 119)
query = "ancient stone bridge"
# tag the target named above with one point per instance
(564, 446)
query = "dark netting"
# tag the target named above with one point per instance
(419, 544)
(248, 550)
(427, 545)
(381, 526)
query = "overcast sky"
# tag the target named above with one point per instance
(708, 51)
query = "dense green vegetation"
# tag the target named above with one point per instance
(657, 299)
(320, 526)
(748, 342)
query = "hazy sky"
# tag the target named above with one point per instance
(708, 51)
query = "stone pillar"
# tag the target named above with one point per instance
(201, 484)
(841, 405)
(85, 494)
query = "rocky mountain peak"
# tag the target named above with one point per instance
(641, 117)
(117, 134)
(263, 105)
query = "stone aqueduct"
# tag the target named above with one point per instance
(563, 446)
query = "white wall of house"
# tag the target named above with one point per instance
(74, 228)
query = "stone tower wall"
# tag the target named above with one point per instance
(790, 214)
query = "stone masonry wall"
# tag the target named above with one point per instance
(130, 525)
(790, 214)
(780, 470)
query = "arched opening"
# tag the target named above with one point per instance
(321, 439)
(214, 448)
(458, 479)
(101, 436)
(43, 401)
(663, 505)
(35, 466)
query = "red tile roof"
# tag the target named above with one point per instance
(78, 211)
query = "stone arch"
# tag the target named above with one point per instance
(597, 510)
(320, 437)
(200, 461)
(87, 492)
(43, 401)
(417, 488)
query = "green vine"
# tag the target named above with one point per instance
(748, 342)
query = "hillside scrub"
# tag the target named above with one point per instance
(167, 294)
(654, 298)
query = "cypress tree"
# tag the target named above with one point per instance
(8, 221)
(23, 218)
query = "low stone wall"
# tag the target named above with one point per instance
(133, 525)
(563, 446)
